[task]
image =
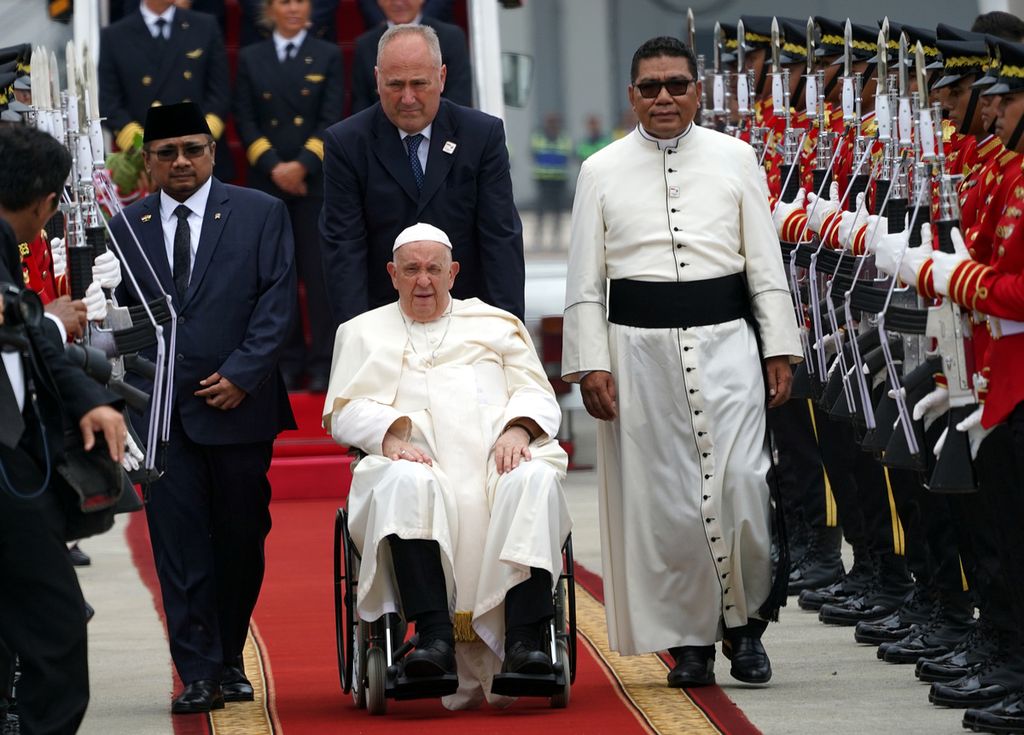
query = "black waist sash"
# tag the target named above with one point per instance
(678, 305)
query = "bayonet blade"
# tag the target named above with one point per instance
(810, 46)
(691, 29)
(883, 63)
(741, 49)
(717, 51)
(903, 71)
(848, 49)
(776, 46)
(922, 77)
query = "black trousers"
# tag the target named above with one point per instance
(421, 584)
(42, 615)
(800, 471)
(209, 516)
(840, 455)
(297, 357)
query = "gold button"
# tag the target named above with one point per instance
(187, 99)
(156, 103)
(267, 95)
(298, 120)
(187, 74)
(1002, 251)
(309, 59)
(273, 122)
(147, 80)
(305, 92)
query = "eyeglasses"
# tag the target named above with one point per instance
(676, 87)
(169, 153)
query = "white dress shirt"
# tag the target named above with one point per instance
(197, 204)
(151, 18)
(281, 43)
(421, 152)
(15, 373)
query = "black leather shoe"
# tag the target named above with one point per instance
(235, 685)
(78, 557)
(695, 667)
(940, 635)
(521, 659)
(821, 563)
(980, 645)
(199, 696)
(435, 658)
(750, 662)
(896, 626)
(873, 605)
(1007, 715)
(988, 685)
(853, 583)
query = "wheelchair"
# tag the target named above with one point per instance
(370, 653)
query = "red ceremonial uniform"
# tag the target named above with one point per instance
(37, 270)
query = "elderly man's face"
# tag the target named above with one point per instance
(409, 82)
(665, 115)
(179, 166)
(423, 273)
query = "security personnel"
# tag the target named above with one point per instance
(289, 89)
(160, 55)
(551, 149)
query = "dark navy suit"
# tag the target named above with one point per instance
(458, 85)
(209, 513)
(370, 196)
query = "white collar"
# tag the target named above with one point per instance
(415, 21)
(196, 202)
(280, 41)
(425, 133)
(664, 143)
(150, 17)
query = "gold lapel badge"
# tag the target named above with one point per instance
(147, 217)
(216, 215)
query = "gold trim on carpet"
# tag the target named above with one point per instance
(247, 718)
(641, 679)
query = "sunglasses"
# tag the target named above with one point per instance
(676, 87)
(169, 153)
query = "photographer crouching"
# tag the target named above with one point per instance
(42, 613)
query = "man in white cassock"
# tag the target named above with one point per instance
(674, 270)
(457, 508)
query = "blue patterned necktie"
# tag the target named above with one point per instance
(182, 251)
(412, 142)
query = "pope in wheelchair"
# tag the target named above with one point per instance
(457, 508)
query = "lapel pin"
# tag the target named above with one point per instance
(147, 217)
(216, 215)
(449, 147)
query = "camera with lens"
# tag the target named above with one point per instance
(20, 307)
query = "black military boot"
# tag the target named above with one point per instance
(891, 589)
(1006, 715)
(896, 626)
(980, 645)
(995, 680)
(951, 621)
(821, 564)
(855, 582)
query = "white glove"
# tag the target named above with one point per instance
(932, 406)
(850, 221)
(133, 456)
(107, 270)
(975, 431)
(95, 303)
(889, 249)
(943, 264)
(818, 209)
(913, 259)
(784, 209)
(829, 342)
(59, 255)
(876, 230)
(940, 443)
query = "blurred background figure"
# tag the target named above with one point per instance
(627, 122)
(288, 91)
(551, 150)
(437, 9)
(594, 141)
(458, 85)
(322, 21)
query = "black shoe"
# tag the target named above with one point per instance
(874, 604)
(90, 611)
(199, 696)
(940, 635)
(695, 667)
(520, 658)
(78, 557)
(821, 564)
(1007, 715)
(853, 583)
(750, 662)
(896, 626)
(435, 658)
(235, 685)
(980, 645)
(991, 683)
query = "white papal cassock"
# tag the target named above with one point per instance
(684, 504)
(450, 387)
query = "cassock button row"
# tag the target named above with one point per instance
(682, 265)
(715, 538)
(679, 245)
(725, 574)
(700, 433)
(729, 607)
(689, 370)
(707, 497)
(671, 170)
(692, 391)
(707, 477)
(705, 455)
(698, 413)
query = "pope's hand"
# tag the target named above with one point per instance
(932, 406)
(58, 254)
(818, 209)
(783, 209)
(943, 264)
(512, 447)
(598, 390)
(95, 303)
(133, 456)
(107, 270)
(889, 249)
(395, 448)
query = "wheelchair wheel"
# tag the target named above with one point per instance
(358, 664)
(342, 616)
(376, 681)
(569, 591)
(561, 700)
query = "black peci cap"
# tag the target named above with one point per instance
(174, 121)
